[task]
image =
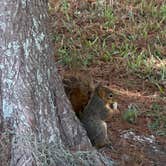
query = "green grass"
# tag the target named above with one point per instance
(158, 115)
(131, 114)
(133, 30)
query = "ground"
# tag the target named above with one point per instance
(123, 46)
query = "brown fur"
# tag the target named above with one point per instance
(78, 89)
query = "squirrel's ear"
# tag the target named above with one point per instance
(99, 90)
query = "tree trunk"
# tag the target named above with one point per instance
(37, 125)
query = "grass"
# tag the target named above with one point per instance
(131, 30)
(131, 114)
(158, 115)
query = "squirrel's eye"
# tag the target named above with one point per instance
(110, 95)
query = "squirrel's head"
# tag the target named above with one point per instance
(104, 93)
(108, 98)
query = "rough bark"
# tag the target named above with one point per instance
(35, 114)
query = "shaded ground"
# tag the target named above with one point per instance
(101, 47)
(131, 89)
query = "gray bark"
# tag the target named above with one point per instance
(37, 125)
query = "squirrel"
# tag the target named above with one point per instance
(93, 106)
(100, 108)
(79, 88)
